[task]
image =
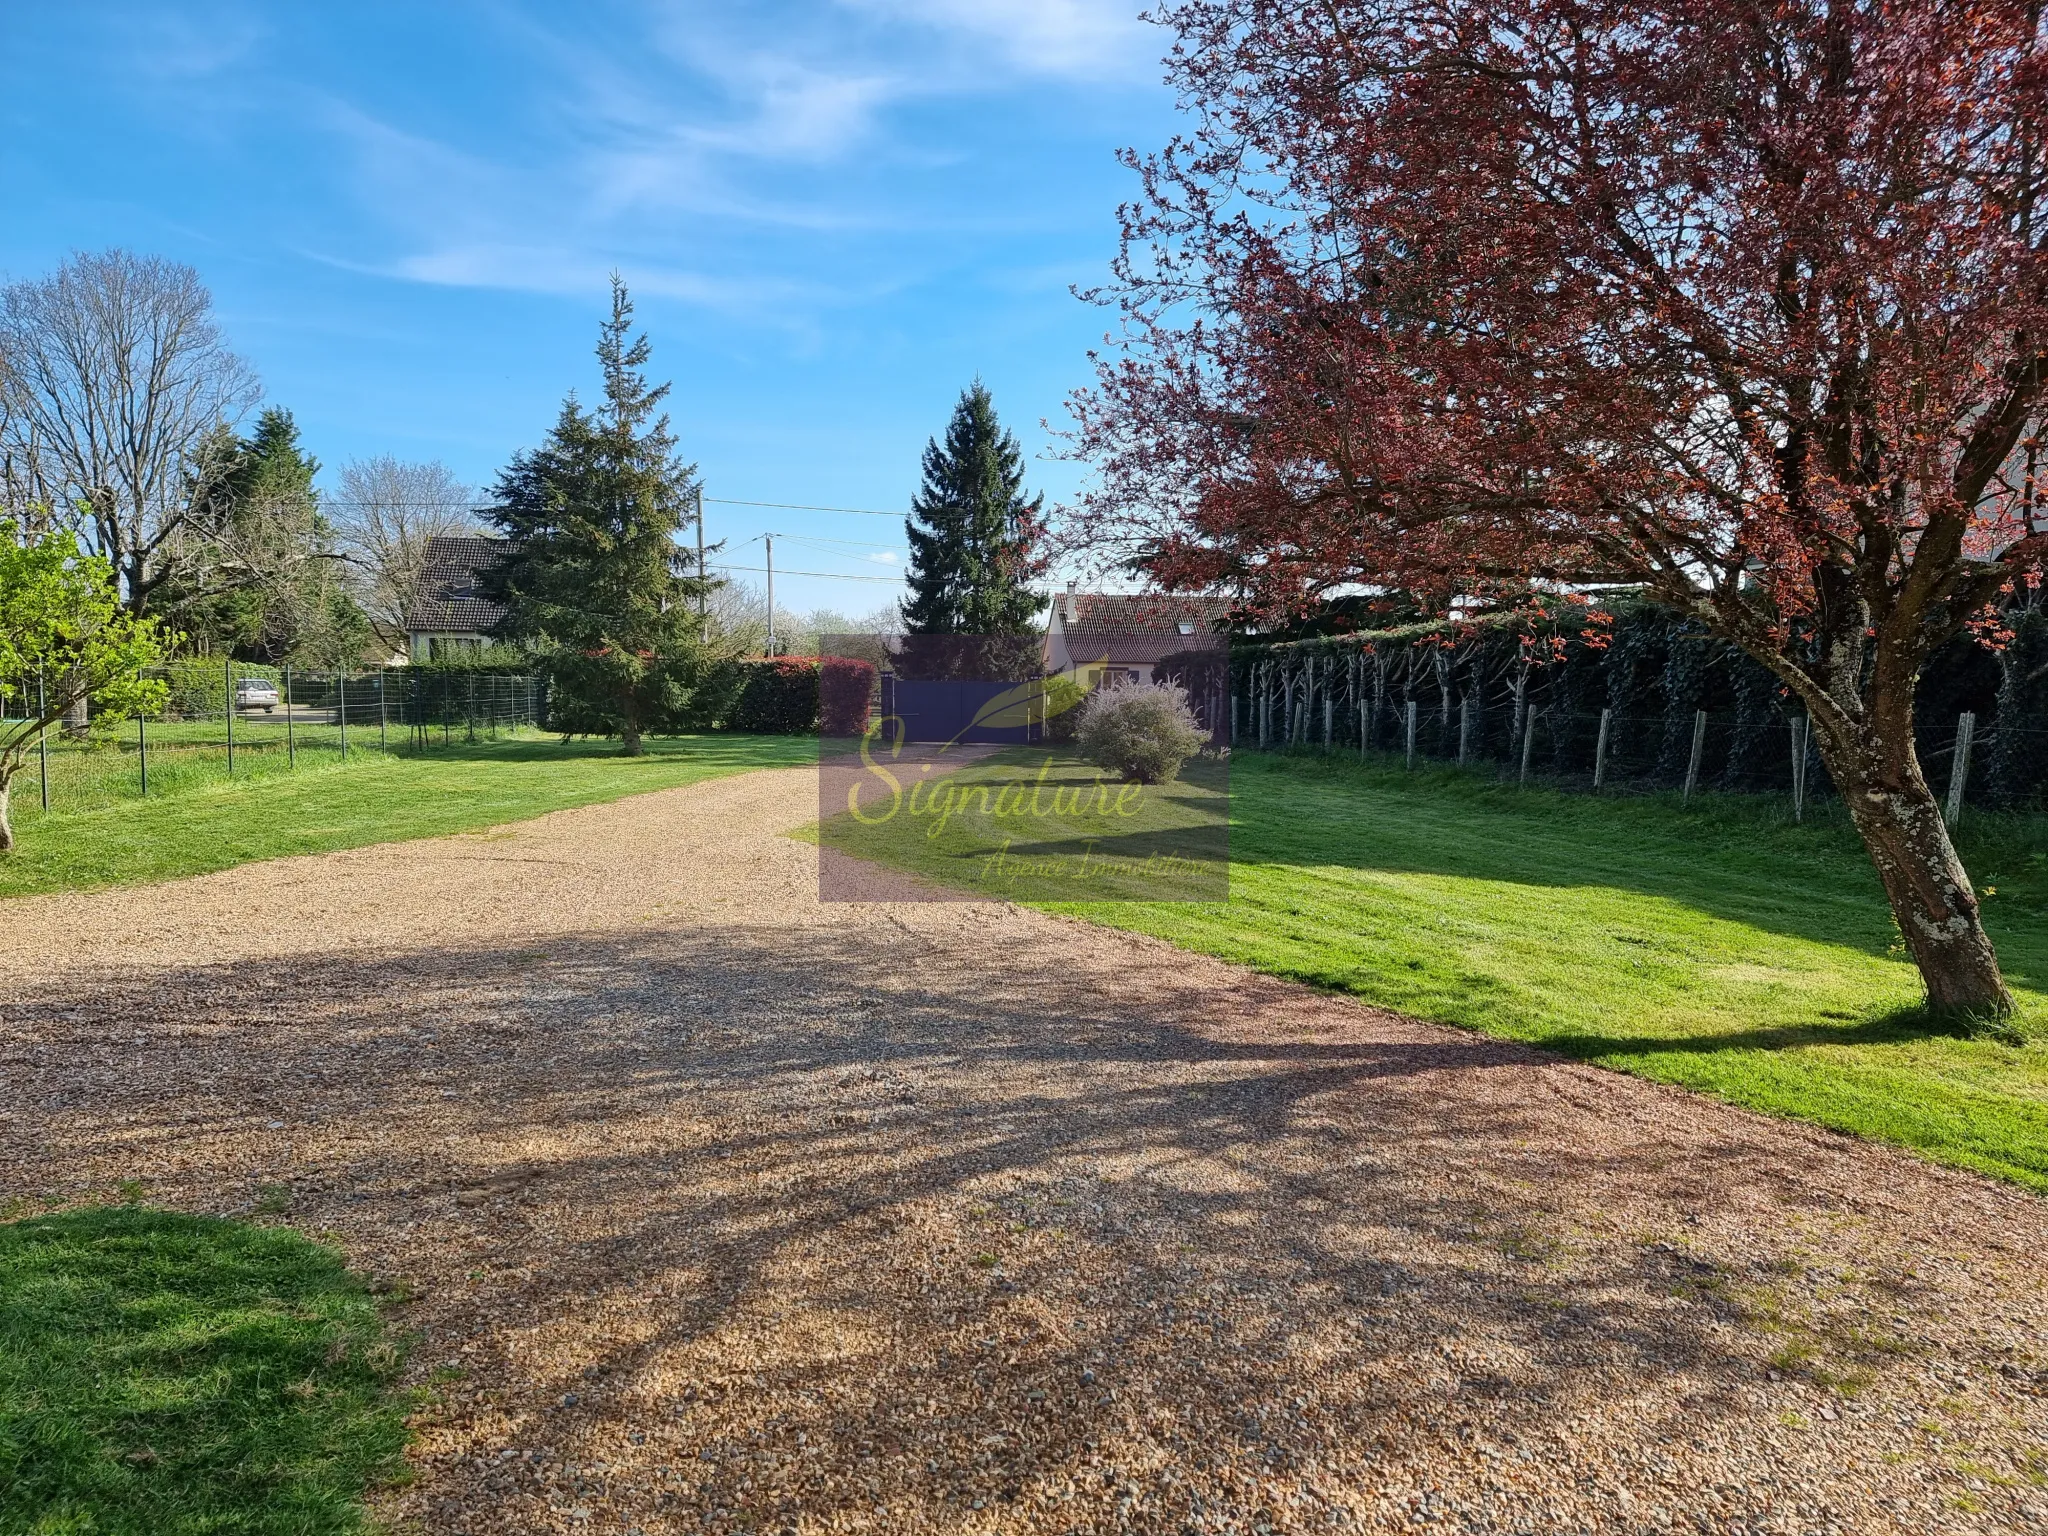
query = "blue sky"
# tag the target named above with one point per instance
(832, 215)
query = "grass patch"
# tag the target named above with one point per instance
(163, 1374)
(1719, 946)
(1032, 824)
(373, 798)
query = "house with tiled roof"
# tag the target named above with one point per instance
(449, 612)
(1098, 637)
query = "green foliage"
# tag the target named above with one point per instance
(1063, 700)
(166, 1375)
(261, 579)
(199, 687)
(495, 660)
(757, 694)
(65, 640)
(1721, 947)
(976, 551)
(1655, 668)
(591, 579)
(1144, 731)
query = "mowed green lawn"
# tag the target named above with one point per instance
(373, 798)
(1719, 947)
(170, 1375)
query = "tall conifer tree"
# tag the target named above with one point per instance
(593, 576)
(973, 532)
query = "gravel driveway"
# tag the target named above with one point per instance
(721, 1210)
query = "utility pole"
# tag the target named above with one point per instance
(768, 543)
(703, 591)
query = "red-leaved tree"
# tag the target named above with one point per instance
(1742, 304)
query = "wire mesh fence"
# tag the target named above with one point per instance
(1528, 737)
(238, 721)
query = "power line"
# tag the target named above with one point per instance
(797, 506)
(827, 575)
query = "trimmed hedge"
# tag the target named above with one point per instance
(199, 685)
(778, 695)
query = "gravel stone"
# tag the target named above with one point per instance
(712, 1208)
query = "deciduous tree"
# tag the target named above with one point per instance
(1744, 305)
(65, 639)
(117, 380)
(385, 512)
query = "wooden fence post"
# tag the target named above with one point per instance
(1528, 741)
(1411, 733)
(1699, 745)
(1959, 764)
(1329, 719)
(1600, 749)
(1464, 730)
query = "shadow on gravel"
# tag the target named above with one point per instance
(1002, 1237)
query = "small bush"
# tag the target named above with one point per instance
(1063, 700)
(1144, 731)
(846, 694)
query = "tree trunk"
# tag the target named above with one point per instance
(6, 826)
(78, 717)
(629, 738)
(1930, 893)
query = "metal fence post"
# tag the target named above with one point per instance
(1699, 746)
(1411, 733)
(291, 741)
(43, 735)
(1959, 764)
(1600, 749)
(341, 711)
(383, 715)
(227, 683)
(1800, 726)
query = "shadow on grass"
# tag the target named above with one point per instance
(1724, 856)
(1901, 1026)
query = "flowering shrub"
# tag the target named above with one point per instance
(1144, 731)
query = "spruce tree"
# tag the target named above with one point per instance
(973, 532)
(592, 576)
(259, 574)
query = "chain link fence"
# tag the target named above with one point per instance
(234, 721)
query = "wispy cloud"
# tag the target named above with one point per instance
(1070, 37)
(671, 159)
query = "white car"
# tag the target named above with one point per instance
(256, 693)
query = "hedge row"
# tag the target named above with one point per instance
(781, 695)
(200, 686)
